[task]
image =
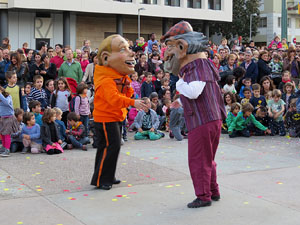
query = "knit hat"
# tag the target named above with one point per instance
(179, 28)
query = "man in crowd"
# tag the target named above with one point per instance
(59, 58)
(251, 67)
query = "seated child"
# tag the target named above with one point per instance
(286, 77)
(292, 120)
(61, 127)
(131, 116)
(177, 123)
(50, 133)
(16, 140)
(247, 83)
(35, 107)
(239, 126)
(261, 116)
(257, 100)
(31, 134)
(247, 93)
(235, 109)
(147, 123)
(75, 132)
(276, 108)
(230, 85)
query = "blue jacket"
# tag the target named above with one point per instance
(61, 129)
(251, 71)
(6, 106)
(34, 132)
(38, 118)
(3, 69)
(147, 89)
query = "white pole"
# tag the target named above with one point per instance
(250, 27)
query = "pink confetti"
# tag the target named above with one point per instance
(72, 198)
(119, 196)
(152, 178)
(132, 193)
(259, 196)
(148, 176)
(64, 159)
(66, 190)
(52, 180)
(72, 181)
(155, 157)
(79, 188)
(141, 174)
(85, 195)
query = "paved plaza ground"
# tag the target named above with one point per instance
(259, 179)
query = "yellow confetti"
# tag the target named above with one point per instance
(6, 189)
(27, 157)
(128, 197)
(222, 152)
(279, 183)
(37, 186)
(37, 173)
(127, 153)
(182, 193)
(70, 198)
(114, 199)
(124, 196)
(124, 163)
(177, 185)
(19, 222)
(42, 163)
(129, 185)
(124, 181)
(2, 181)
(60, 224)
(246, 203)
(39, 189)
(248, 167)
(169, 186)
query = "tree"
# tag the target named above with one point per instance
(240, 25)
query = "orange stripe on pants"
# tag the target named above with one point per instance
(104, 155)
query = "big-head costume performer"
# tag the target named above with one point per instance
(202, 103)
(112, 97)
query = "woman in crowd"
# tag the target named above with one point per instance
(263, 65)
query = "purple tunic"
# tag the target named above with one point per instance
(209, 106)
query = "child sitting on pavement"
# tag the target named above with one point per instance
(177, 122)
(16, 140)
(35, 107)
(75, 132)
(239, 126)
(261, 116)
(31, 134)
(235, 109)
(147, 123)
(292, 120)
(61, 127)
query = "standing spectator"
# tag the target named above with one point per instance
(49, 71)
(216, 61)
(89, 72)
(59, 58)
(5, 44)
(223, 45)
(43, 49)
(78, 56)
(50, 52)
(291, 63)
(37, 67)
(71, 68)
(284, 44)
(151, 42)
(251, 67)
(147, 87)
(252, 45)
(17, 66)
(25, 47)
(142, 65)
(86, 44)
(84, 61)
(263, 65)
(155, 63)
(4, 66)
(275, 41)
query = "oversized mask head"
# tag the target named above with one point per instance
(181, 41)
(114, 52)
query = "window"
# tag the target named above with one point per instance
(214, 4)
(194, 4)
(289, 23)
(261, 5)
(262, 22)
(172, 3)
(297, 23)
(123, 0)
(154, 2)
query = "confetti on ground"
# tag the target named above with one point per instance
(64, 159)
(20, 189)
(182, 193)
(139, 214)
(267, 166)
(37, 186)
(72, 181)
(155, 157)
(52, 180)
(85, 195)
(27, 157)
(66, 190)
(6, 189)
(124, 163)
(127, 153)
(132, 193)
(248, 167)
(72, 198)
(279, 182)
(2, 181)
(124, 181)
(142, 159)
(19, 222)
(169, 186)
(177, 185)
(37, 173)
(246, 203)
(39, 189)
(42, 163)
(79, 188)
(114, 199)
(129, 185)
(119, 196)
(259, 196)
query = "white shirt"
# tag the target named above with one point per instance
(62, 100)
(190, 90)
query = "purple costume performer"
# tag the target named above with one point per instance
(203, 107)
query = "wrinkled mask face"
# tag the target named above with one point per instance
(121, 58)
(175, 54)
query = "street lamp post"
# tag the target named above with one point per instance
(139, 21)
(251, 25)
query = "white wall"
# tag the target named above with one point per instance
(115, 7)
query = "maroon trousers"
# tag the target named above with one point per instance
(203, 142)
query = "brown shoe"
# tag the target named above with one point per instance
(84, 148)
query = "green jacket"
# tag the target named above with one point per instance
(230, 118)
(240, 123)
(74, 71)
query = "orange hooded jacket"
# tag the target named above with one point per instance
(109, 103)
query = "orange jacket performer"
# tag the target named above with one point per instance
(112, 96)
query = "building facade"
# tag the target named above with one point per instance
(72, 21)
(270, 21)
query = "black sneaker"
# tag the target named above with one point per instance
(5, 153)
(197, 203)
(105, 187)
(125, 138)
(215, 197)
